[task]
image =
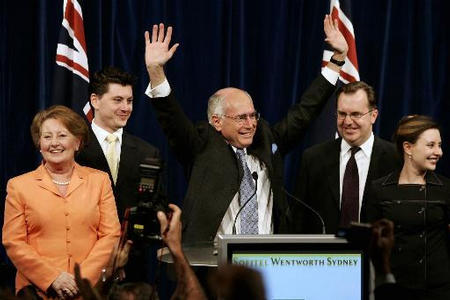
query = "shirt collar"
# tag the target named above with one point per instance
(366, 147)
(235, 149)
(101, 133)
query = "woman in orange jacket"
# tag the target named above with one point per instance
(61, 213)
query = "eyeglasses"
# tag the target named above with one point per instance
(240, 119)
(354, 115)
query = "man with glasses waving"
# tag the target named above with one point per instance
(234, 162)
(333, 175)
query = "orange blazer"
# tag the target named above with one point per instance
(45, 233)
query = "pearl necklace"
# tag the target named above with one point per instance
(56, 181)
(61, 182)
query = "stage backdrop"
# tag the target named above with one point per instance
(273, 49)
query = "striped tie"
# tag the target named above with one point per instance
(249, 214)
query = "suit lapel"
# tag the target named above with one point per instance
(260, 149)
(96, 155)
(127, 158)
(377, 156)
(78, 178)
(44, 180)
(332, 165)
(93, 155)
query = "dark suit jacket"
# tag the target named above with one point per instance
(211, 166)
(133, 152)
(318, 182)
(420, 258)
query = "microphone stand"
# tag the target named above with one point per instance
(308, 207)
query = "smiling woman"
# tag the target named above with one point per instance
(417, 200)
(61, 213)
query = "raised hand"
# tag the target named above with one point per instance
(334, 37)
(157, 51)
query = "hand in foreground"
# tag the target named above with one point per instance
(157, 51)
(334, 37)
(85, 287)
(381, 245)
(171, 228)
(65, 286)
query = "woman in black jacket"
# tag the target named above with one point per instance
(417, 200)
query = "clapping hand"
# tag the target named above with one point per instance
(171, 228)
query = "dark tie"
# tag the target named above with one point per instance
(350, 191)
(249, 214)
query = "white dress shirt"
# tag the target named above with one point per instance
(101, 135)
(264, 197)
(362, 158)
(264, 193)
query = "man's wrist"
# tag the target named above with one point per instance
(337, 62)
(339, 56)
(156, 74)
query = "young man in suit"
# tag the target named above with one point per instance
(111, 96)
(113, 150)
(333, 174)
(235, 159)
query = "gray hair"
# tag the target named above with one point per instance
(216, 104)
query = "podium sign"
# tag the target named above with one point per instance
(305, 267)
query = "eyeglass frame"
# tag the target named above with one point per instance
(254, 116)
(354, 116)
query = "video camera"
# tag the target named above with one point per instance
(143, 225)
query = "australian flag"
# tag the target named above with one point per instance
(71, 78)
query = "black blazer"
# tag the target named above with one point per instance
(421, 213)
(211, 166)
(134, 150)
(318, 182)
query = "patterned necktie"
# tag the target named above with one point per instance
(111, 155)
(249, 214)
(350, 191)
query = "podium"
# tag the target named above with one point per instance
(292, 266)
(301, 266)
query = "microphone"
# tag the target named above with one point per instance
(255, 177)
(308, 207)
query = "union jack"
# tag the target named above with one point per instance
(71, 78)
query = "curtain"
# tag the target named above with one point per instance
(272, 49)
